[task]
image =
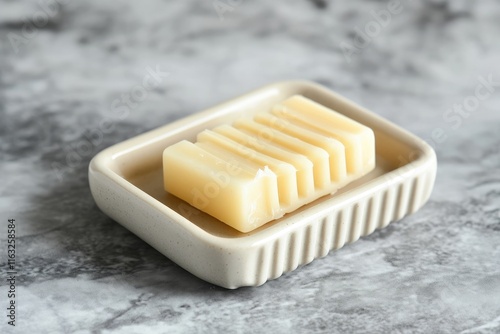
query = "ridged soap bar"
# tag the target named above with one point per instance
(258, 169)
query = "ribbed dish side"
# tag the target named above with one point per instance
(338, 228)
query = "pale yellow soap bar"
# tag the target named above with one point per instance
(258, 169)
(238, 194)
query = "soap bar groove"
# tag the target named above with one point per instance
(316, 155)
(285, 172)
(333, 147)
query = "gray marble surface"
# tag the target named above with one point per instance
(64, 77)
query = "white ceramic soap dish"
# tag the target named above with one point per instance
(126, 181)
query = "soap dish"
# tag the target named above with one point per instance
(126, 181)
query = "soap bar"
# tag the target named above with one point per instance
(233, 191)
(258, 169)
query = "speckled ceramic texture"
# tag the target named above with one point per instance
(126, 182)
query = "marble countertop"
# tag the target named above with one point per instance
(71, 84)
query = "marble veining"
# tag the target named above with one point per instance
(72, 83)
